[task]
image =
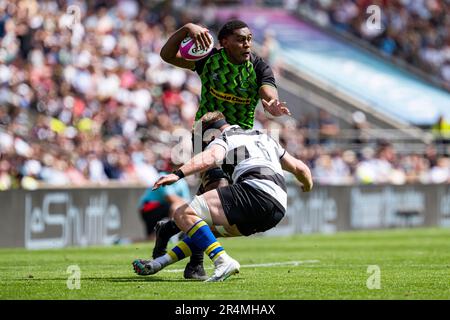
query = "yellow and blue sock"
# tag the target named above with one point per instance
(204, 239)
(182, 250)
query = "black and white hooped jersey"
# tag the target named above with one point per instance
(253, 157)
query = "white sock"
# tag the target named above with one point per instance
(164, 260)
(220, 259)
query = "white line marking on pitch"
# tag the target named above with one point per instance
(260, 265)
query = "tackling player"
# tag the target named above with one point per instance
(233, 80)
(255, 202)
(157, 205)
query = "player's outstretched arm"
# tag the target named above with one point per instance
(270, 102)
(201, 162)
(299, 169)
(169, 52)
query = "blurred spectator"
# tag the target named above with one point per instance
(328, 128)
(6, 178)
(270, 51)
(440, 173)
(93, 103)
(417, 31)
(441, 130)
(360, 127)
(331, 170)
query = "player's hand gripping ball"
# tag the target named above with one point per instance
(191, 52)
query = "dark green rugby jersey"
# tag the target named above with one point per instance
(232, 89)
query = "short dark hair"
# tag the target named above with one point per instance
(229, 27)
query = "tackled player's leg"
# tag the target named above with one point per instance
(164, 230)
(195, 220)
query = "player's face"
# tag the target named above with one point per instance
(238, 45)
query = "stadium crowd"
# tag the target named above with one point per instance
(91, 102)
(417, 31)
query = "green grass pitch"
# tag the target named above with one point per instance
(413, 264)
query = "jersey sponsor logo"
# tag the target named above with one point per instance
(229, 97)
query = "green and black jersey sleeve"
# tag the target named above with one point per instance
(230, 88)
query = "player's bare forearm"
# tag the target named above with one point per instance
(170, 49)
(268, 92)
(303, 174)
(201, 162)
(270, 102)
(169, 52)
(299, 169)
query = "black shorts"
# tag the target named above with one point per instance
(250, 209)
(152, 216)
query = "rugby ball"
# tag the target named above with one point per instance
(189, 50)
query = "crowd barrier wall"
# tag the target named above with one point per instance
(56, 218)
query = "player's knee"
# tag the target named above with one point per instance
(184, 217)
(179, 213)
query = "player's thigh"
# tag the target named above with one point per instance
(215, 208)
(226, 231)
